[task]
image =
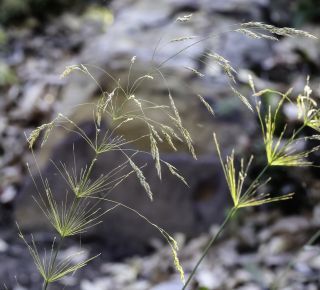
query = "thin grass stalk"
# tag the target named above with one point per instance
(209, 245)
(228, 218)
(57, 250)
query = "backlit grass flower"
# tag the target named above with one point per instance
(308, 109)
(69, 218)
(49, 269)
(280, 152)
(236, 182)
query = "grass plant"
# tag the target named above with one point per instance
(81, 209)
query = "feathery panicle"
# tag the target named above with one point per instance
(48, 269)
(280, 153)
(82, 186)
(283, 31)
(236, 182)
(69, 218)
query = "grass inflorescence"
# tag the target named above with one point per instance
(82, 207)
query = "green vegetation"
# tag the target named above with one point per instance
(15, 11)
(84, 207)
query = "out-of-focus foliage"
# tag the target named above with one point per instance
(307, 11)
(7, 76)
(12, 11)
(3, 36)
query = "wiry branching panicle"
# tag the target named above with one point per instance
(69, 218)
(50, 270)
(83, 186)
(236, 182)
(280, 152)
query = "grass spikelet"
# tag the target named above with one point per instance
(224, 64)
(155, 154)
(251, 83)
(256, 35)
(103, 103)
(174, 171)
(184, 132)
(184, 18)
(242, 98)
(206, 104)
(199, 74)
(182, 38)
(47, 128)
(249, 33)
(68, 70)
(169, 140)
(141, 178)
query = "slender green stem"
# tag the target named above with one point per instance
(55, 255)
(210, 243)
(223, 225)
(45, 285)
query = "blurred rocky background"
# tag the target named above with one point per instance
(39, 38)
